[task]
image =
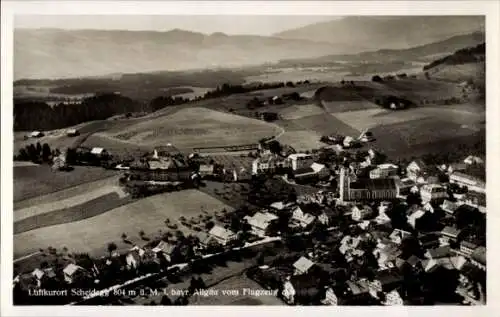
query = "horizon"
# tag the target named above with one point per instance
(261, 25)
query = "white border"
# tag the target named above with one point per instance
(335, 8)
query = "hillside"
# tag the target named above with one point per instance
(54, 53)
(374, 32)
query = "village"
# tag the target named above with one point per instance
(367, 231)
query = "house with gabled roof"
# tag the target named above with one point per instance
(301, 218)
(164, 249)
(222, 235)
(397, 236)
(260, 222)
(302, 265)
(449, 206)
(72, 272)
(448, 234)
(416, 170)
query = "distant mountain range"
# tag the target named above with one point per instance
(389, 32)
(55, 53)
(423, 53)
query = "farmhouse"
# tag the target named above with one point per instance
(384, 171)
(300, 160)
(432, 192)
(416, 170)
(99, 152)
(164, 249)
(222, 235)
(36, 134)
(471, 159)
(448, 234)
(72, 272)
(301, 218)
(72, 132)
(473, 183)
(267, 163)
(260, 222)
(302, 266)
(360, 212)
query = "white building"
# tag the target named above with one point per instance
(301, 218)
(260, 222)
(300, 160)
(222, 235)
(330, 298)
(472, 183)
(430, 192)
(360, 212)
(384, 171)
(302, 265)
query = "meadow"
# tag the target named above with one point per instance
(93, 234)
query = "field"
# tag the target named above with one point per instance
(93, 234)
(195, 127)
(300, 111)
(33, 181)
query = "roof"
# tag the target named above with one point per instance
(387, 166)
(164, 247)
(473, 159)
(449, 205)
(439, 252)
(261, 220)
(389, 277)
(450, 231)
(317, 167)
(220, 232)
(465, 176)
(303, 264)
(38, 273)
(479, 255)
(279, 205)
(164, 163)
(374, 184)
(298, 156)
(358, 287)
(413, 260)
(419, 163)
(97, 150)
(468, 244)
(304, 171)
(399, 233)
(71, 268)
(416, 215)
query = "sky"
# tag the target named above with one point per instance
(229, 24)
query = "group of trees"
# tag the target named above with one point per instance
(165, 101)
(462, 56)
(30, 115)
(36, 153)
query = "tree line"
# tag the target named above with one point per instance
(33, 115)
(462, 56)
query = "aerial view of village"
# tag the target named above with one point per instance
(308, 161)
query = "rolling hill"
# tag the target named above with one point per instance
(365, 33)
(55, 53)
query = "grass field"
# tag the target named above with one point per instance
(97, 189)
(194, 127)
(301, 140)
(90, 208)
(33, 181)
(93, 234)
(297, 112)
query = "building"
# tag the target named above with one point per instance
(260, 222)
(384, 171)
(471, 159)
(302, 266)
(393, 298)
(133, 258)
(330, 298)
(164, 249)
(222, 235)
(36, 134)
(72, 132)
(279, 205)
(415, 216)
(478, 258)
(439, 252)
(72, 272)
(99, 152)
(267, 163)
(300, 160)
(432, 192)
(361, 212)
(448, 234)
(301, 218)
(467, 247)
(449, 207)
(386, 254)
(366, 189)
(473, 183)
(397, 236)
(416, 170)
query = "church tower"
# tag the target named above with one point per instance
(344, 184)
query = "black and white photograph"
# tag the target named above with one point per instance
(248, 159)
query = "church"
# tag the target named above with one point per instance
(352, 189)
